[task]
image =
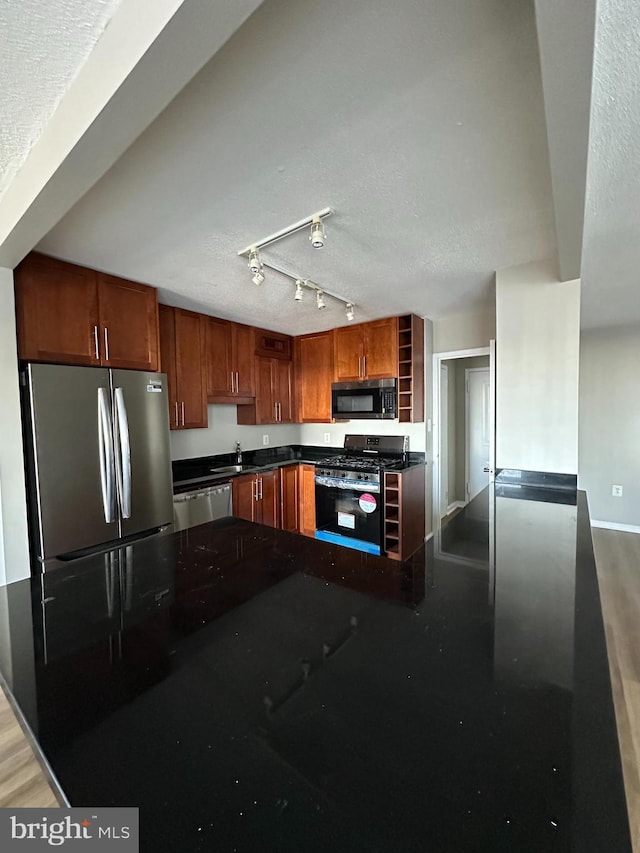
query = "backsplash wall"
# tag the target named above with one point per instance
(224, 431)
(314, 433)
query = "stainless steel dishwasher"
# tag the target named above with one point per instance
(201, 505)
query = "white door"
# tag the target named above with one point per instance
(443, 467)
(478, 429)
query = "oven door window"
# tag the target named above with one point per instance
(349, 513)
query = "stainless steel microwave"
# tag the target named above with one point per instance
(372, 399)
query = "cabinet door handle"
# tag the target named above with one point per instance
(237, 383)
(95, 341)
(177, 424)
(182, 404)
(280, 412)
(255, 489)
(260, 488)
(106, 343)
(275, 411)
(364, 367)
(359, 367)
(233, 390)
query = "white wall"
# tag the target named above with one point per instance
(223, 432)
(609, 423)
(537, 351)
(14, 556)
(465, 331)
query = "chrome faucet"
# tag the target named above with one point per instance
(238, 453)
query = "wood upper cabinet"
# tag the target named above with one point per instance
(182, 345)
(273, 402)
(381, 349)
(307, 505)
(129, 323)
(69, 314)
(230, 361)
(367, 350)
(349, 351)
(57, 312)
(256, 497)
(314, 374)
(290, 498)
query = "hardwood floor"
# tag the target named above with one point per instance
(618, 566)
(23, 782)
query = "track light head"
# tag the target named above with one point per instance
(299, 292)
(349, 311)
(317, 233)
(320, 300)
(255, 264)
(258, 277)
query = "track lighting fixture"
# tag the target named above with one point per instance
(317, 237)
(317, 233)
(254, 261)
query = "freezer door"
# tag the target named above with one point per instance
(142, 450)
(72, 473)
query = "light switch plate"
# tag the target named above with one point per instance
(265, 440)
(327, 438)
(616, 491)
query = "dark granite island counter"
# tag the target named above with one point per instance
(253, 690)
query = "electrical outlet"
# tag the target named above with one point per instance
(616, 491)
(327, 438)
(265, 440)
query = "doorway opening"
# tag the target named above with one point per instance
(463, 453)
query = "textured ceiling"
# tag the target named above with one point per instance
(611, 253)
(421, 123)
(43, 46)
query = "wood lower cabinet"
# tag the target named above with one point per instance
(290, 498)
(307, 499)
(314, 366)
(273, 402)
(229, 356)
(68, 314)
(256, 497)
(367, 350)
(404, 512)
(181, 348)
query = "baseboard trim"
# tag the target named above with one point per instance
(455, 505)
(612, 525)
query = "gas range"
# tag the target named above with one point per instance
(349, 492)
(366, 456)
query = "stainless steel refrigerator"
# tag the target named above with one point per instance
(98, 459)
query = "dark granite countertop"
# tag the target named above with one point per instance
(254, 690)
(197, 473)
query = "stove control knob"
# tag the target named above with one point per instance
(359, 476)
(366, 476)
(343, 474)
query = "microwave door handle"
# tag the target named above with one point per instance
(123, 449)
(105, 444)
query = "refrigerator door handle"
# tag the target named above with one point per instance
(123, 454)
(106, 455)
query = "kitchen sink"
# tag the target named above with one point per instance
(232, 469)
